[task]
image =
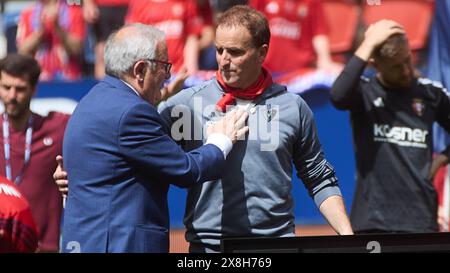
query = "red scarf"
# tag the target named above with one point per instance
(250, 93)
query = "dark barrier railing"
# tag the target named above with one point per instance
(364, 243)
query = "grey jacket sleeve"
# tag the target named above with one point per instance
(346, 92)
(172, 109)
(313, 169)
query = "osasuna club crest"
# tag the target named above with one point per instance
(418, 106)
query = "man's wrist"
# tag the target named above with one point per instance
(365, 50)
(221, 141)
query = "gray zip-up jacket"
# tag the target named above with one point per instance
(253, 198)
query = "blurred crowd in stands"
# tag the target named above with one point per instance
(311, 39)
(67, 37)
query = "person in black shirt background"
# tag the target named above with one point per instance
(392, 116)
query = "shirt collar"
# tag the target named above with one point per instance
(131, 87)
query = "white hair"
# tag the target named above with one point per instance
(122, 53)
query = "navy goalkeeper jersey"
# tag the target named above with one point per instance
(392, 133)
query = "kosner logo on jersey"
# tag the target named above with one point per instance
(402, 136)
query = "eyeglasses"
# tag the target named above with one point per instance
(167, 65)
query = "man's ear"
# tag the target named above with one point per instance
(262, 53)
(139, 70)
(33, 91)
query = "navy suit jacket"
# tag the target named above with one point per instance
(120, 162)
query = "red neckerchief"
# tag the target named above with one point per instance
(250, 93)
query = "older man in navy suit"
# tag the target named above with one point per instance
(119, 157)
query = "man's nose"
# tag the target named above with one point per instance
(224, 58)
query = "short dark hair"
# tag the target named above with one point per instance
(245, 16)
(19, 65)
(391, 46)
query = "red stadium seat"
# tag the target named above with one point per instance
(342, 18)
(414, 15)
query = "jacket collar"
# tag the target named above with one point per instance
(119, 84)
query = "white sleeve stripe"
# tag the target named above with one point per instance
(437, 84)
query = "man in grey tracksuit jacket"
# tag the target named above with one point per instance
(254, 196)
